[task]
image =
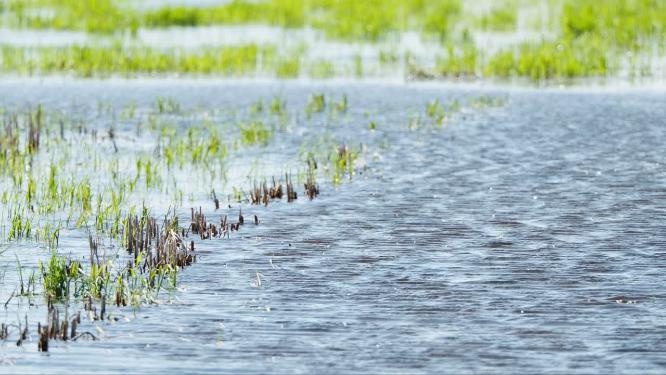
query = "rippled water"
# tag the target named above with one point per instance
(507, 241)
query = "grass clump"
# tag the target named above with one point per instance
(502, 18)
(316, 104)
(548, 60)
(58, 274)
(167, 105)
(255, 132)
(20, 226)
(342, 160)
(437, 112)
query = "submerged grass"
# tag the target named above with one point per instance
(255, 132)
(58, 275)
(59, 192)
(342, 159)
(75, 179)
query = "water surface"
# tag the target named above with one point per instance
(524, 238)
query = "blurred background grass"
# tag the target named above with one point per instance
(537, 39)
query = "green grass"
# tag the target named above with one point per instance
(589, 38)
(342, 19)
(368, 20)
(582, 57)
(440, 17)
(286, 13)
(594, 37)
(459, 61)
(58, 275)
(625, 23)
(103, 16)
(88, 61)
(502, 18)
(255, 132)
(342, 158)
(437, 112)
(288, 66)
(20, 226)
(316, 104)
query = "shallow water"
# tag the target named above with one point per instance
(500, 242)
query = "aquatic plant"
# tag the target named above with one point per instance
(263, 193)
(25, 287)
(277, 106)
(482, 101)
(316, 103)
(20, 225)
(310, 185)
(48, 234)
(167, 105)
(55, 329)
(341, 105)
(75, 180)
(58, 274)
(342, 160)
(254, 132)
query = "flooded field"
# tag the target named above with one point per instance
(460, 229)
(317, 186)
(529, 41)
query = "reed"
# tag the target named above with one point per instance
(310, 186)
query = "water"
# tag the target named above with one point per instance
(505, 241)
